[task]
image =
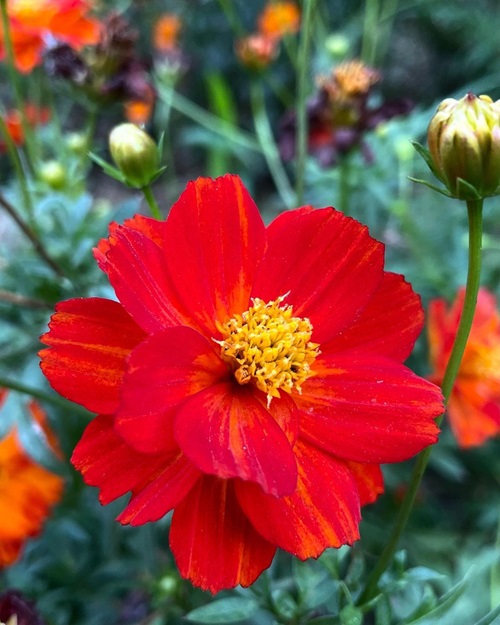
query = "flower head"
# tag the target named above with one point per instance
(256, 51)
(340, 113)
(166, 32)
(279, 19)
(135, 153)
(31, 23)
(474, 405)
(244, 378)
(27, 491)
(464, 142)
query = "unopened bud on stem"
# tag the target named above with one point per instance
(135, 154)
(464, 145)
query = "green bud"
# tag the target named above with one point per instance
(464, 143)
(135, 154)
(351, 615)
(53, 174)
(77, 142)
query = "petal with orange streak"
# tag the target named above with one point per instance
(368, 409)
(212, 541)
(163, 371)
(157, 481)
(369, 480)
(216, 239)
(327, 262)
(227, 432)
(389, 324)
(88, 342)
(473, 412)
(324, 511)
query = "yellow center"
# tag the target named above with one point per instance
(269, 347)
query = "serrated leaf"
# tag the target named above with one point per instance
(229, 610)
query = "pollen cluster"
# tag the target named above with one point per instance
(269, 347)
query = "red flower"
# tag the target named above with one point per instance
(474, 405)
(248, 378)
(13, 123)
(32, 21)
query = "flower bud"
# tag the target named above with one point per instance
(53, 173)
(135, 154)
(464, 143)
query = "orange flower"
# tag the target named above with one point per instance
(27, 490)
(12, 119)
(31, 22)
(474, 405)
(166, 32)
(279, 19)
(139, 111)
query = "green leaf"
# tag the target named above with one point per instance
(431, 186)
(229, 610)
(108, 169)
(489, 618)
(426, 155)
(449, 599)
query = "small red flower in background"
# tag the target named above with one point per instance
(12, 119)
(27, 491)
(474, 405)
(249, 378)
(32, 21)
(166, 32)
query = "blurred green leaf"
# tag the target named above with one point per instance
(230, 610)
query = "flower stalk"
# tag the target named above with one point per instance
(303, 63)
(474, 210)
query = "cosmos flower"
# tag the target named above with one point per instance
(32, 24)
(27, 490)
(340, 114)
(474, 405)
(249, 378)
(166, 32)
(279, 19)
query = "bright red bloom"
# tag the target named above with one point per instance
(32, 21)
(248, 378)
(474, 405)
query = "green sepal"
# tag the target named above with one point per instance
(444, 192)
(108, 169)
(426, 155)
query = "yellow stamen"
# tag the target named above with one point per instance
(269, 347)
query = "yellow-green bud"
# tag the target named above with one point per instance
(135, 154)
(54, 174)
(77, 142)
(464, 142)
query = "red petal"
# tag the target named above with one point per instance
(388, 326)
(227, 432)
(89, 341)
(135, 265)
(369, 409)
(323, 511)
(161, 373)
(369, 479)
(216, 239)
(213, 543)
(157, 482)
(328, 263)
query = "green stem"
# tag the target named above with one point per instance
(30, 234)
(474, 209)
(42, 395)
(18, 166)
(344, 171)
(150, 199)
(301, 108)
(370, 31)
(14, 81)
(268, 144)
(212, 122)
